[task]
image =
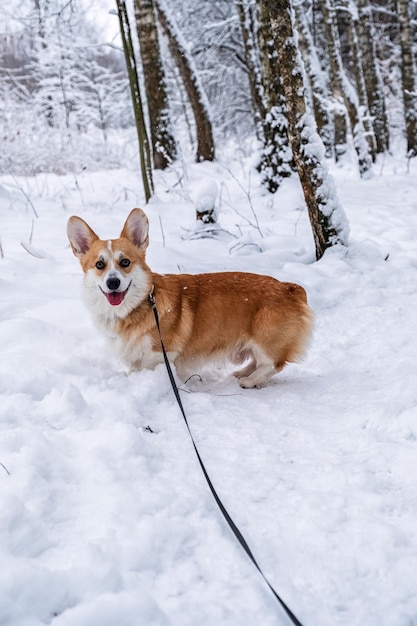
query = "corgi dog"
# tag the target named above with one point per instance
(251, 320)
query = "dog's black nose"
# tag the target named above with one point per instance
(113, 284)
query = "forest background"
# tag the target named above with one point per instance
(209, 79)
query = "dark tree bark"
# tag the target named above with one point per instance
(343, 91)
(276, 157)
(245, 11)
(351, 22)
(144, 149)
(373, 80)
(276, 160)
(408, 75)
(327, 218)
(336, 107)
(163, 142)
(196, 96)
(320, 95)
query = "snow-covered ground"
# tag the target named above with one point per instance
(104, 523)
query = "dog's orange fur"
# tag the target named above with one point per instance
(249, 319)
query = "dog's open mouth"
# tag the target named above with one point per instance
(115, 297)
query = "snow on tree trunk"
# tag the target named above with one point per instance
(320, 95)
(276, 156)
(327, 217)
(351, 22)
(246, 20)
(408, 75)
(205, 195)
(343, 91)
(163, 142)
(373, 80)
(192, 85)
(144, 149)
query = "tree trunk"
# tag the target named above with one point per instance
(326, 215)
(276, 158)
(408, 75)
(266, 91)
(144, 149)
(373, 81)
(246, 19)
(343, 91)
(357, 69)
(320, 96)
(196, 96)
(48, 106)
(163, 142)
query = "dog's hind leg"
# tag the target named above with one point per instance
(242, 356)
(259, 377)
(261, 370)
(245, 371)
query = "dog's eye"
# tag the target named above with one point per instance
(100, 265)
(124, 263)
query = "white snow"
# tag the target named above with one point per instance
(104, 523)
(205, 195)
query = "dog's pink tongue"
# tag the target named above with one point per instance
(115, 297)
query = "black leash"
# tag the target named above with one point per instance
(220, 504)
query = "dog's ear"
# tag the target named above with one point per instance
(136, 229)
(80, 235)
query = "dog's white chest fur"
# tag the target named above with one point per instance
(136, 354)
